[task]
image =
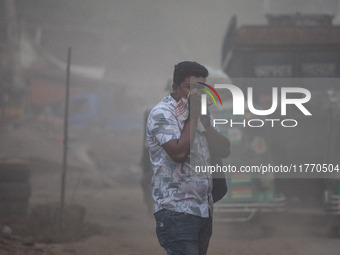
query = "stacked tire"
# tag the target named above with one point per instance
(15, 189)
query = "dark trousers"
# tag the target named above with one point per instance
(182, 233)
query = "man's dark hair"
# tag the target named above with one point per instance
(186, 69)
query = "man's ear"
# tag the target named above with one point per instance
(174, 87)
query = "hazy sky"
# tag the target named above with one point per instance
(140, 41)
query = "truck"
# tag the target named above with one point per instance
(297, 51)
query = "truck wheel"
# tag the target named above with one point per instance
(15, 191)
(14, 172)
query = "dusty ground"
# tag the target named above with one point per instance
(106, 182)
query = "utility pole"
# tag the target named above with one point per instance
(64, 170)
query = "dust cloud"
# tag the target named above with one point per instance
(123, 54)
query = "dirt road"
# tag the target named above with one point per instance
(113, 199)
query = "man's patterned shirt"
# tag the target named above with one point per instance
(176, 186)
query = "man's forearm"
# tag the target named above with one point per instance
(179, 149)
(187, 137)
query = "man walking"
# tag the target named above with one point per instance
(177, 140)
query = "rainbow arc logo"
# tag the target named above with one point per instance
(209, 93)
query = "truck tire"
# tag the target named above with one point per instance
(15, 191)
(14, 172)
